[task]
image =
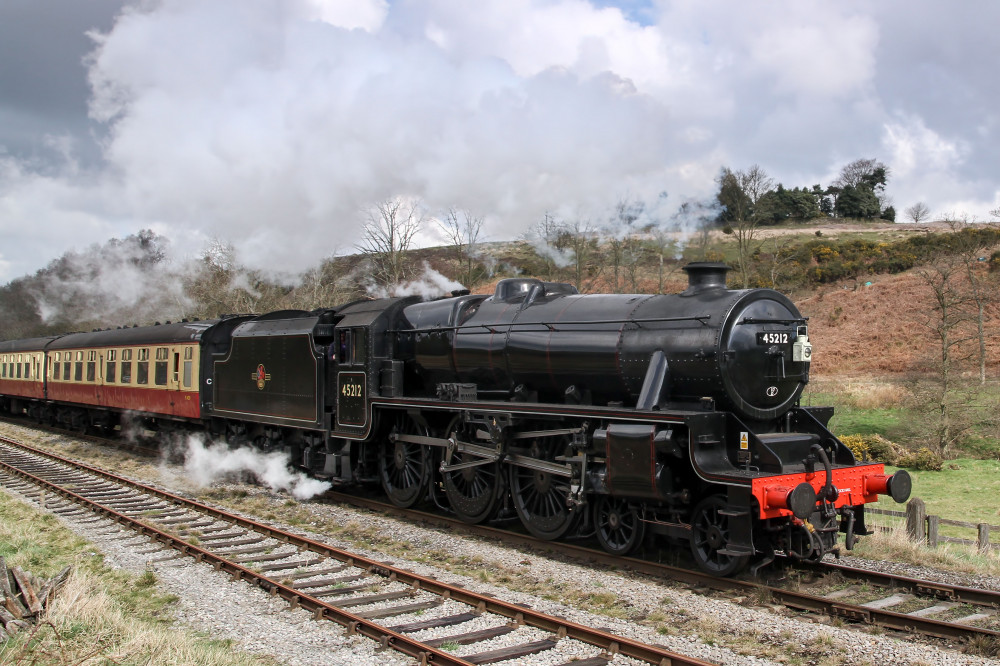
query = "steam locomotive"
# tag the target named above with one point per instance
(622, 416)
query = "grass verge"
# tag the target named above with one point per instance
(101, 616)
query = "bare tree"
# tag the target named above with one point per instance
(778, 249)
(323, 286)
(544, 237)
(388, 235)
(948, 301)
(755, 182)
(739, 193)
(971, 241)
(624, 250)
(581, 239)
(918, 212)
(665, 246)
(463, 229)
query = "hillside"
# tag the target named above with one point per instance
(884, 328)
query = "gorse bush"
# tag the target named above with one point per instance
(874, 448)
(824, 260)
(921, 459)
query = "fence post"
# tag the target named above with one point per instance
(984, 538)
(916, 516)
(932, 531)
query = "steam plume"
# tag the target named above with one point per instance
(205, 465)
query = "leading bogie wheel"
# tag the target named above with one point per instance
(710, 535)
(619, 525)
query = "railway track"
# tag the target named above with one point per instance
(890, 601)
(368, 597)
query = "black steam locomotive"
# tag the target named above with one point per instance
(613, 415)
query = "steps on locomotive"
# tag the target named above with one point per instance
(791, 448)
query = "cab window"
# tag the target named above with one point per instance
(344, 347)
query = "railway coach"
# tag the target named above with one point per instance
(90, 380)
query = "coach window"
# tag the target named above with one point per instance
(27, 367)
(56, 365)
(160, 367)
(126, 366)
(18, 366)
(3, 367)
(78, 368)
(110, 370)
(67, 358)
(91, 366)
(188, 364)
(142, 367)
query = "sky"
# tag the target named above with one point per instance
(275, 125)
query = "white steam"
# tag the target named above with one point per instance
(205, 465)
(431, 284)
(123, 281)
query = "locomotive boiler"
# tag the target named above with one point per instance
(746, 350)
(622, 417)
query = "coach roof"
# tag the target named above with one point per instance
(29, 345)
(189, 331)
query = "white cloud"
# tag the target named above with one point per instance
(364, 14)
(913, 147)
(274, 124)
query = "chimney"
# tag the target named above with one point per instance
(704, 276)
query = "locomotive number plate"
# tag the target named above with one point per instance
(774, 338)
(352, 406)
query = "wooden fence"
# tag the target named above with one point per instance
(925, 529)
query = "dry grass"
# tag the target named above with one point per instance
(101, 616)
(874, 394)
(87, 624)
(895, 545)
